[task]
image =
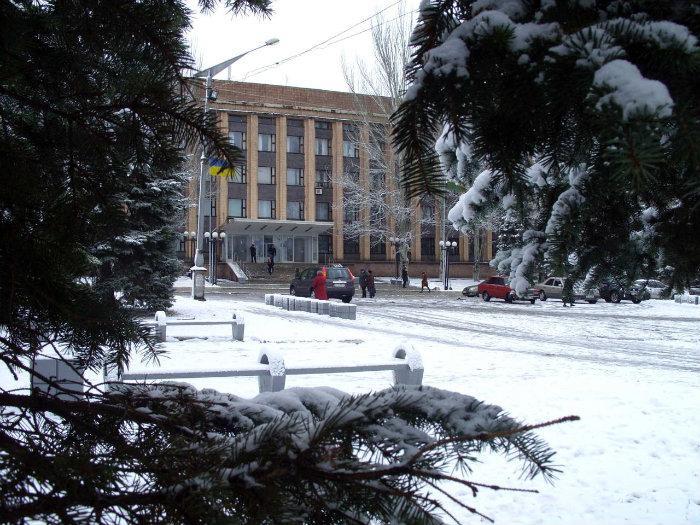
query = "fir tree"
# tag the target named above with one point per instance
(585, 115)
(94, 114)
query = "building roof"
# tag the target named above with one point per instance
(284, 99)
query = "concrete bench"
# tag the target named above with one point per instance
(271, 370)
(162, 322)
(307, 304)
(689, 299)
(60, 378)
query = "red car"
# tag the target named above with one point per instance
(496, 287)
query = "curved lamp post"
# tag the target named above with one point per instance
(209, 94)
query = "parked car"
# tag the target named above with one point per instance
(496, 287)
(553, 287)
(340, 282)
(656, 289)
(614, 292)
(694, 288)
(471, 291)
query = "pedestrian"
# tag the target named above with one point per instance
(270, 265)
(567, 292)
(271, 252)
(370, 284)
(253, 252)
(318, 285)
(404, 276)
(363, 282)
(424, 281)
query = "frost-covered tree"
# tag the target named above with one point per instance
(378, 85)
(585, 116)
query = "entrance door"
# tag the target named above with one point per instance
(300, 249)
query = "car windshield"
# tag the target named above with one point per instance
(338, 274)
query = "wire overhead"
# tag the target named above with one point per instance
(328, 41)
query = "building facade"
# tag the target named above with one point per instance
(285, 193)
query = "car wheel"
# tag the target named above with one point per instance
(607, 300)
(510, 298)
(542, 296)
(292, 290)
(592, 301)
(346, 298)
(532, 301)
(312, 294)
(485, 296)
(615, 297)
(636, 300)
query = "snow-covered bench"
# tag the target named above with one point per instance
(162, 322)
(306, 304)
(271, 370)
(690, 299)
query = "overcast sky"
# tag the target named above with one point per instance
(299, 25)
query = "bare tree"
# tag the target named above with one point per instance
(377, 207)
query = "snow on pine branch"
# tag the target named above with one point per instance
(633, 93)
(466, 208)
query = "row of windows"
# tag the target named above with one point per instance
(295, 144)
(267, 209)
(268, 175)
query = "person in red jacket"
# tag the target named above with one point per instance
(318, 285)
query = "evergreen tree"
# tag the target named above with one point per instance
(585, 116)
(94, 113)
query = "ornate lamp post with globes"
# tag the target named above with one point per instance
(446, 247)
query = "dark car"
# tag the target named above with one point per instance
(614, 292)
(340, 283)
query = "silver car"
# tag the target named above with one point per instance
(656, 289)
(553, 287)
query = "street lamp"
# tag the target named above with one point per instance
(445, 247)
(397, 243)
(209, 94)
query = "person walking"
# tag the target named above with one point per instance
(253, 252)
(271, 253)
(318, 285)
(370, 284)
(404, 275)
(363, 282)
(270, 265)
(424, 281)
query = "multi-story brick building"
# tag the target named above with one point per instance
(296, 143)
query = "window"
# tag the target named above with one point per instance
(323, 211)
(295, 177)
(295, 144)
(295, 210)
(266, 175)
(350, 149)
(236, 208)
(322, 124)
(266, 142)
(351, 246)
(238, 139)
(323, 179)
(323, 146)
(377, 246)
(378, 180)
(351, 213)
(266, 121)
(295, 123)
(266, 209)
(427, 247)
(427, 213)
(238, 174)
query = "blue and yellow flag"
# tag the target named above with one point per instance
(219, 168)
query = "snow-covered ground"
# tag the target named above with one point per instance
(632, 372)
